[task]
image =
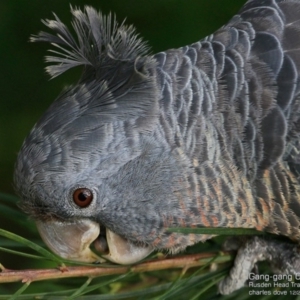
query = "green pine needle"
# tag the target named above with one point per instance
(217, 231)
(173, 284)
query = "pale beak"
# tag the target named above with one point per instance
(122, 251)
(72, 240)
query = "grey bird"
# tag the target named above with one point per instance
(206, 135)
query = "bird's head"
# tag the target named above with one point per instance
(93, 170)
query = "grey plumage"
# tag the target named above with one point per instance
(203, 135)
(102, 42)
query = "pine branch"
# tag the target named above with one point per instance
(185, 262)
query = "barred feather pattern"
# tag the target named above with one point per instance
(204, 135)
(231, 103)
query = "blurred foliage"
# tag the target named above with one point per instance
(26, 92)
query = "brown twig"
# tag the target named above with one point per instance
(186, 261)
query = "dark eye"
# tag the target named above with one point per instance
(83, 197)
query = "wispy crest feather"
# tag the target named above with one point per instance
(99, 39)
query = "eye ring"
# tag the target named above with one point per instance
(83, 197)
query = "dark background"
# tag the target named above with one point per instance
(25, 88)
